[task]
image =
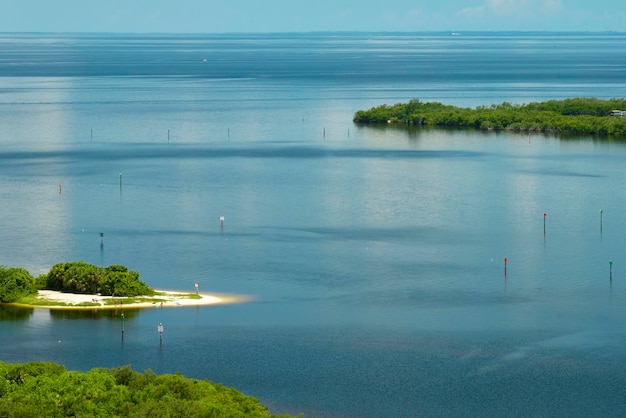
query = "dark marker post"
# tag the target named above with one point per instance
(122, 319)
(120, 181)
(601, 220)
(544, 222)
(505, 261)
(610, 270)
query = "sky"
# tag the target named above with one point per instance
(213, 16)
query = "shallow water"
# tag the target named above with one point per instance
(374, 255)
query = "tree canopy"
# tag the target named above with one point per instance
(81, 277)
(577, 116)
(43, 389)
(15, 282)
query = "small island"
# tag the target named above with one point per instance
(577, 116)
(79, 285)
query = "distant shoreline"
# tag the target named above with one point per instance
(575, 117)
(164, 299)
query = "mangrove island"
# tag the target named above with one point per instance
(80, 285)
(577, 116)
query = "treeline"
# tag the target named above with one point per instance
(72, 277)
(81, 277)
(579, 116)
(43, 389)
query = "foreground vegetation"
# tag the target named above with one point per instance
(73, 277)
(42, 389)
(579, 116)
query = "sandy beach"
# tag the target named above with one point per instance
(164, 299)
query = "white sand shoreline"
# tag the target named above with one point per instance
(164, 299)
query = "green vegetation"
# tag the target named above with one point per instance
(34, 300)
(81, 277)
(15, 283)
(42, 389)
(579, 116)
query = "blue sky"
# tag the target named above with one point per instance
(211, 16)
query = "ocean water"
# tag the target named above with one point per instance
(373, 255)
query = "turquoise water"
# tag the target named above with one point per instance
(374, 255)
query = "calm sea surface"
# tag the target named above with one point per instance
(374, 256)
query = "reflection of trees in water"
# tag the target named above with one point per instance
(14, 313)
(93, 313)
(18, 313)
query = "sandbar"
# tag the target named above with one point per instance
(163, 299)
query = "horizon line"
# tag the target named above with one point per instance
(321, 32)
